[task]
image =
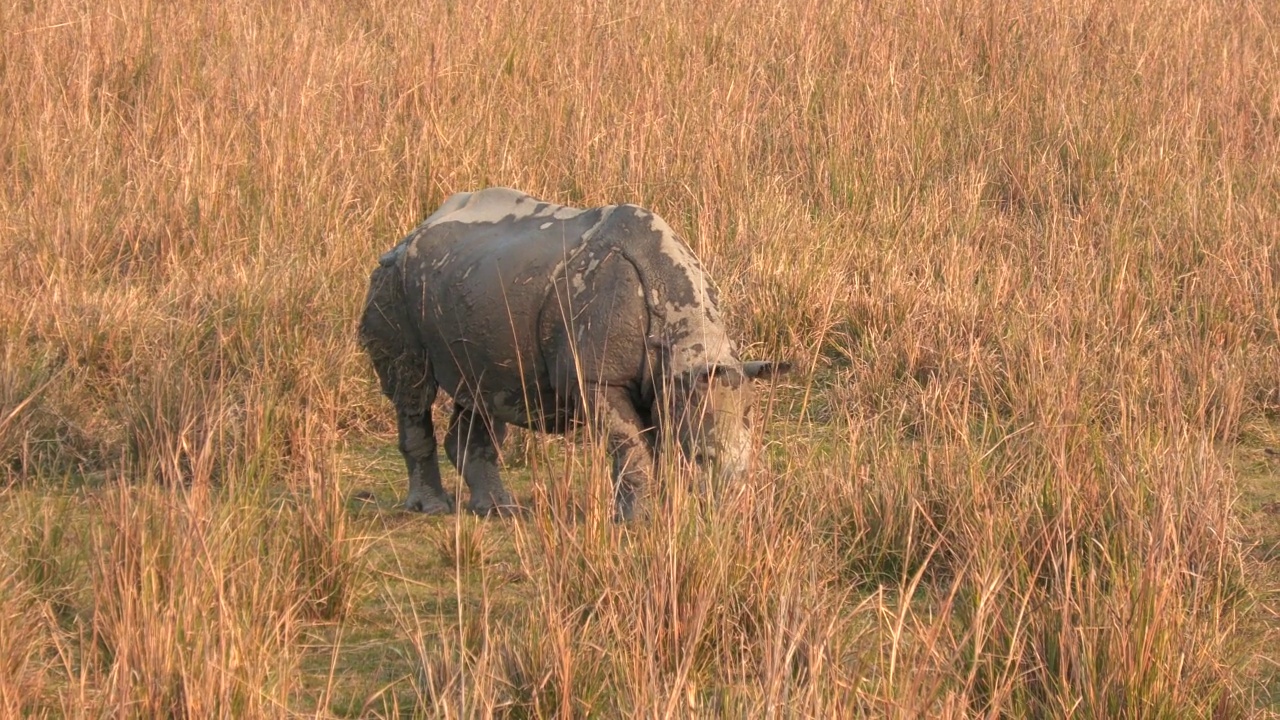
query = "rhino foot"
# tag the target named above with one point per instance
(501, 504)
(429, 504)
(628, 512)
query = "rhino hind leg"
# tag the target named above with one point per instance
(472, 445)
(418, 446)
(405, 377)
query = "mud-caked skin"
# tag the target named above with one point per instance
(544, 316)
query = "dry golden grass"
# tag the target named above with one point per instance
(1025, 254)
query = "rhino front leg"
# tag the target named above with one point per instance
(472, 445)
(630, 444)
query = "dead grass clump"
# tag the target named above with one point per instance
(27, 651)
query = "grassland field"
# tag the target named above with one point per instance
(1025, 257)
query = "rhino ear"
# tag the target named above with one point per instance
(765, 369)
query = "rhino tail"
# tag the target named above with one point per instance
(390, 257)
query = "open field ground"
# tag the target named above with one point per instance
(1025, 257)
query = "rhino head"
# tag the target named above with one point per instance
(707, 410)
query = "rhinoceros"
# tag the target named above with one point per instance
(545, 316)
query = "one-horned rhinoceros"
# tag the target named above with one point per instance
(542, 316)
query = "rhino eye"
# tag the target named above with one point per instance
(699, 459)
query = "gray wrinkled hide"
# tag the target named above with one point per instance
(541, 315)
